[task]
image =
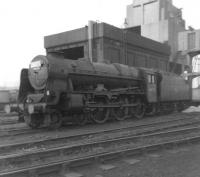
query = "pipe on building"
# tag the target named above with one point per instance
(90, 39)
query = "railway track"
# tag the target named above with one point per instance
(8, 122)
(27, 139)
(3, 114)
(12, 131)
(47, 139)
(8, 119)
(90, 136)
(132, 130)
(39, 160)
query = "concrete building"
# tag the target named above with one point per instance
(189, 46)
(159, 20)
(101, 42)
(189, 41)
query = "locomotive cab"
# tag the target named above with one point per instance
(152, 89)
(151, 84)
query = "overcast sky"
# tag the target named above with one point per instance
(25, 22)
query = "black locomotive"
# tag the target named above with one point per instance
(55, 90)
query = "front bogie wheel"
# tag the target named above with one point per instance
(81, 119)
(55, 120)
(34, 120)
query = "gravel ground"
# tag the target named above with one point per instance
(7, 127)
(71, 154)
(166, 163)
(179, 162)
(77, 129)
(4, 115)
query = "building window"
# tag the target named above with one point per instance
(191, 40)
(74, 53)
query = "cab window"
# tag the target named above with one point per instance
(151, 79)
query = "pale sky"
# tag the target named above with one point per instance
(23, 23)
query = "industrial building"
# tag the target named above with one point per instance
(160, 20)
(7, 96)
(101, 42)
(152, 20)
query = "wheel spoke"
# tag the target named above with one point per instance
(56, 120)
(139, 110)
(121, 113)
(100, 115)
(81, 119)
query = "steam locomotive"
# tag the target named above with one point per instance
(55, 90)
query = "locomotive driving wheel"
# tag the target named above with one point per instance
(121, 113)
(100, 115)
(81, 119)
(34, 120)
(56, 120)
(139, 110)
(21, 117)
(151, 109)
